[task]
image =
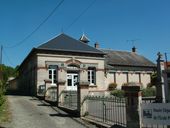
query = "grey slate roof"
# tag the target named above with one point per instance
(123, 58)
(66, 43)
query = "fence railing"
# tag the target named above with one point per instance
(108, 110)
(68, 99)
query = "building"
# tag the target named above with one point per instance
(124, 67)
(12, 85)
(64, 61)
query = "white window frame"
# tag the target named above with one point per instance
(52, 76)
(91, 70)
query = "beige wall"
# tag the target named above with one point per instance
(134, 77)
(121, 78)
(145, 79)
(35, 71)
(45, 59)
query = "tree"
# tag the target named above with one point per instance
(6, 72)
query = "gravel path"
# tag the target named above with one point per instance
(29, 112)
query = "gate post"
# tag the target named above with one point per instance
(60, 88)
(83, 90)
(133, 94)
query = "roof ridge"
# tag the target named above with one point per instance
(114, 50)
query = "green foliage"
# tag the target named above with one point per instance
(7, 71)
(150, 91)
(2, 99)
(154, 79)
(112, 86)
(118, 93)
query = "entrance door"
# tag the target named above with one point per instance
(72, 79)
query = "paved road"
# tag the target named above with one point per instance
(29, 112)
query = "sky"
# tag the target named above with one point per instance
(114, 24)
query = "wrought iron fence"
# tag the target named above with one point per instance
(68, 99)
(108, 110)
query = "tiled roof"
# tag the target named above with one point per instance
(123, 58)
(66, 43)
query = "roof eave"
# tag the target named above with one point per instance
(30, 53)
(71, 51)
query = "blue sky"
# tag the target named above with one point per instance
(112, 23)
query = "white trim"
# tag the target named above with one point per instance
(52, 76)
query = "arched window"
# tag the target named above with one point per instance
(92, 75)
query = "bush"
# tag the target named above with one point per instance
(118, 93)
(2, 99)
(112, 86)
(149, 92)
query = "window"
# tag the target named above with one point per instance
(52, 73)
(92, 75)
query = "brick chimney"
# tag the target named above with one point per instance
(96, 45)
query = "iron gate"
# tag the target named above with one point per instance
(68, 99)
(108, 110)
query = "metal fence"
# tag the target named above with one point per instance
(68, 99)
(108, 110)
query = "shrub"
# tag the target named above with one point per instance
(2, 99)
(112, 86)
(118, 93)
(149, 92)
(150, 85)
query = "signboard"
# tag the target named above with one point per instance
(155, 113)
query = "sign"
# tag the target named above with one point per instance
(155, 113)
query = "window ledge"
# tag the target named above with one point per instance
(92, 85)
(84, 83)
(47, 81)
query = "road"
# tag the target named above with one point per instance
(30, 112)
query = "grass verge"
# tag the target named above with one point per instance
(5, 114)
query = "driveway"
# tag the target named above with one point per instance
(29, 112)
